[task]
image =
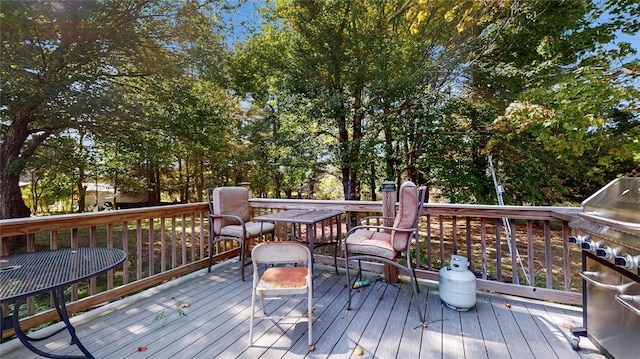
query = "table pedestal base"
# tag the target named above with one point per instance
(58, 299)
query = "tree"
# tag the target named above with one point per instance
(66, 64)
(569, 99)
(363, 78)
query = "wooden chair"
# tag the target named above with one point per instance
(229, 219)
(295, 277)
(386, 244)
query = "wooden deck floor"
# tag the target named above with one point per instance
(382, 324)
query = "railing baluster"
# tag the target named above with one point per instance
(53, 240)
(530, 253)
(193, 237)
(139, 249)
(125, 247)
(429, 245)
(483, 246)
(110, 245)
(468, 237)
(151, 259)
(566, 257)
(93, 233)
(31, 247)
(498, 250)
(548, 254)
(53, 244)
(183, 230)
(201, 236)
(174, 250)
(74, 244)
(163, 254)
(441, 226)
(515, 279)
(454, 230)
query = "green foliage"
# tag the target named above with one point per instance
(563, 93)
(363, 91)
(163, 315)
(114, 71)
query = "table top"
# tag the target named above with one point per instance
(304, 216)
(27, 274)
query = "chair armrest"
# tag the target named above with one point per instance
(379, 228)
(363, 219)
(236, 218)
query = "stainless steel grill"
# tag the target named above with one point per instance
(609, 234)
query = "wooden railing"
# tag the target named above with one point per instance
(169, 241)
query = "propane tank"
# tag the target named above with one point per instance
(457, 284)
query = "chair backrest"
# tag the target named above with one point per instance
(228, 200)
(409, 209)
(273, 252)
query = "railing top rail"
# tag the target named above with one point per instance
(29, 225)
(472, 210)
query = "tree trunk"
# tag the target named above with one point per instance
(82, 190)
(12, 206)
(154, 185)
(372, 182)
(12, 163)
(199, 181)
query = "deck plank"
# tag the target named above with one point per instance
(364, 302)
(389, 343)
(383, 323)
(513, 336)
(369, 341)
(564, 320)
(411, 334)
(537, 342)
(452, 339)
(331, 308)
(472, 338)
(494, 341)
(432, 342)
(183, 329)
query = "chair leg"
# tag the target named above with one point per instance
(264, 308)
(310, 316)
(210, 252)
(416, 301)
(242, 260)
(253, 314)
(335, 258)
(346, 265)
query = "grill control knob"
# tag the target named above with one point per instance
(578, 239)
(627, 261)
(607, 252)
(591, 246)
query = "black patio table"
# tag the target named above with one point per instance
(26, 274)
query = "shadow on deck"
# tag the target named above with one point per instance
(382, 324)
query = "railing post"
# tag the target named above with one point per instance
(251, 242)
(389, 211)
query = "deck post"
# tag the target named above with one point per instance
(389, 211)
(251, 242)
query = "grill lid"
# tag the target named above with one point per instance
(619, 201)
(614, 212)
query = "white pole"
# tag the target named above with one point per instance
(505, 221)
